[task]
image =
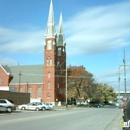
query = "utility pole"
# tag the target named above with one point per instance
(119, 85)
(19, 81)
(124, 61)
(66, 87)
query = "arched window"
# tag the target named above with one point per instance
(50, 61)
(49, 75)
(49, 84)
(49, 46)
(39, 93)
(59, 51)
(30, 91)
(58, 63)
(21, 89)
(48, 95)
(47, 61)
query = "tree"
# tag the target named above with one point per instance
(104, 93)
(79, 82)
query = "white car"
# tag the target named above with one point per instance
(32, 106)
(50, 105)
(44, 105)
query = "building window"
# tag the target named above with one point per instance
(48, 84)
(30, 91)
(39, 93)
(58, 63)
(49, 46)
(59, 51)
(47, 61)
(21, 89)
(48, 96)
(50, 61)
(49, 75)
(0, 81)
(58, 85)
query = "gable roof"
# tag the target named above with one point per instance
(7, 70)
(29, 74)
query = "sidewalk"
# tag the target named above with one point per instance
(115, 124)
(64, 107)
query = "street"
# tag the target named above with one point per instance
(76, 119)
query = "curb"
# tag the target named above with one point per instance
(115, 123)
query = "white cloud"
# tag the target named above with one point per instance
(13, 41)
(111, 77)
(95, 30)
(7, 61)
(99, 29)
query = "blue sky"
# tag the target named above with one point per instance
(96, 31)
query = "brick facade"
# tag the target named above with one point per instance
(45, 82)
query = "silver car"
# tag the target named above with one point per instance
(44, 105)
(7, 105)
(50, 105)
(33, 106)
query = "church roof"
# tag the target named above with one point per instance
(7, 70)
(27, 74)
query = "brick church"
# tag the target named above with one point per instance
(46, 82)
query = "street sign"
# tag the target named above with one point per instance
(125, 99)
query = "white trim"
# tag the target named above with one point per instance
(51, 36)
(24, 83)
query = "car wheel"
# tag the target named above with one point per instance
(43, 108)
(37, 109)
(9, 109)
(23, 108)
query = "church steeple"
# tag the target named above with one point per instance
(61, 24)
(50, 32)
(61, 41)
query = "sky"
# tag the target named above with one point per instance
(96, 34)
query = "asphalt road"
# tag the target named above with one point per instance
(76, 119)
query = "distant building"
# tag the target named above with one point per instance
(44, 82)
(122, 94)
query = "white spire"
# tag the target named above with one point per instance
(60, 32)
(51, 24)
(61, 24)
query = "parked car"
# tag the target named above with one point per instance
(50, 105)
(103, 104)
(34, 106)
(23, 106)
(96, 105)
(7, 105)
(44, 105)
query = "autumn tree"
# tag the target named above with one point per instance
(80, 82)
(104, 93)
